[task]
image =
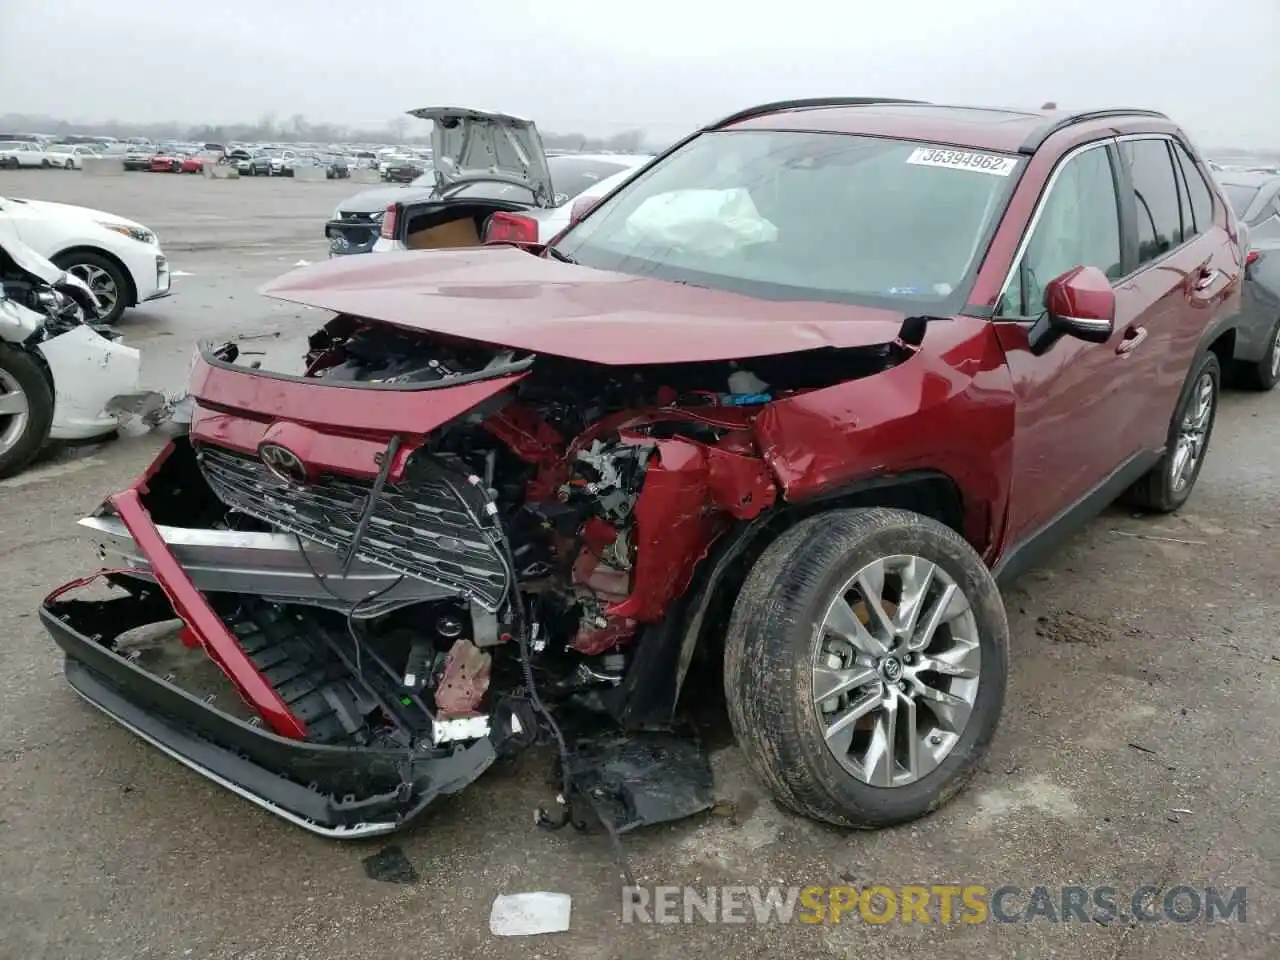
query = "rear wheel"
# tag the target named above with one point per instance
(865, 666)
(1264, 374)
(1170, 482)
(26, 409)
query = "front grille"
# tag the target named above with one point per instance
(419, 528)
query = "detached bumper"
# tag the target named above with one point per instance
(334, 791)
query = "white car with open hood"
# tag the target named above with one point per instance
(60, 378)
(118, 258)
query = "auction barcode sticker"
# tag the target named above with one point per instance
(963, 160)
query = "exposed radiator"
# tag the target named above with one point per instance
(420, 528)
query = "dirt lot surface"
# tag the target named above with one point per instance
(1140, 742)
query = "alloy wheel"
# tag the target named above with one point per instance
(15, 412)
(896, 670)
(1275, 355)
(100, 282)
(1193, 434)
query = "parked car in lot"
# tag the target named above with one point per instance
(403, 169)
(335, 167)
(118, 259)
(60, 379)
(280, 161)
(75, 154)
(789, 404)
(139, 157)
(251, 163)
(1256, 200)
(22, 153)
(173, 162)
(464, 186)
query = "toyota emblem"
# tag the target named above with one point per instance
(283, 463)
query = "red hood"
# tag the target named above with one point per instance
(504, 296)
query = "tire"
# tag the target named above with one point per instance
(176, 167)
(1265, 374)
(22, 370)
(1159, 490)
(123, 283)
(774, 639)
(69, 165)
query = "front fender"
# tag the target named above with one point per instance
(947, 408)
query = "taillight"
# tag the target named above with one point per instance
(388, 231)
(510, 228)
(1252, 257)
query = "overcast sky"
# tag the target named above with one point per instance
(664, 65)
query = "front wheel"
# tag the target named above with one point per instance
(865, 666)
(105, 278)
(70, 165)
(1170, 482)
(26, 409)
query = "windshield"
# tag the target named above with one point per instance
(794, 215)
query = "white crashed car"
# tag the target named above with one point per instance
(119, 259)
(60, 379)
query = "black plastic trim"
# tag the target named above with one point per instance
(805, 103)
(1038, 546)
(1042, 133)
(324, 788)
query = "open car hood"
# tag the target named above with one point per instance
(504, 296)
(468, 146)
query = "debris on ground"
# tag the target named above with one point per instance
(1065, 626)
(390, 865)
(527, 914)
(1148, 536)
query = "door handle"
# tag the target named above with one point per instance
(1206, 280)
(1132, 337)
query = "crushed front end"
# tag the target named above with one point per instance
(349, 589)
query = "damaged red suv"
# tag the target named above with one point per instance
(789, 404)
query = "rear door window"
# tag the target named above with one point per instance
(1155, 196)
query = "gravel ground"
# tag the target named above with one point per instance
(1123, 758)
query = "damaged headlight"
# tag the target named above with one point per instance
(133, 233)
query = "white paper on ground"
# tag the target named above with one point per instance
(525, 914)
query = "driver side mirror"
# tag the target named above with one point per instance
(1079, 303)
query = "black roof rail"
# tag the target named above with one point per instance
(806, 103)
(1048, 129)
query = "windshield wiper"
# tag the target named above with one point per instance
(559, 255)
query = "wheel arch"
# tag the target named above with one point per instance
(131, 298)
(651, 689)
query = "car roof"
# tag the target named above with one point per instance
(1010, 130)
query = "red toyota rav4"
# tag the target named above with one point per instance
(789, 403)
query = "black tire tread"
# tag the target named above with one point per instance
(762, 688)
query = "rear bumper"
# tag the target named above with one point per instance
(335, 791)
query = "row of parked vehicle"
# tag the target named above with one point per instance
(249, 161)
(15, 154)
